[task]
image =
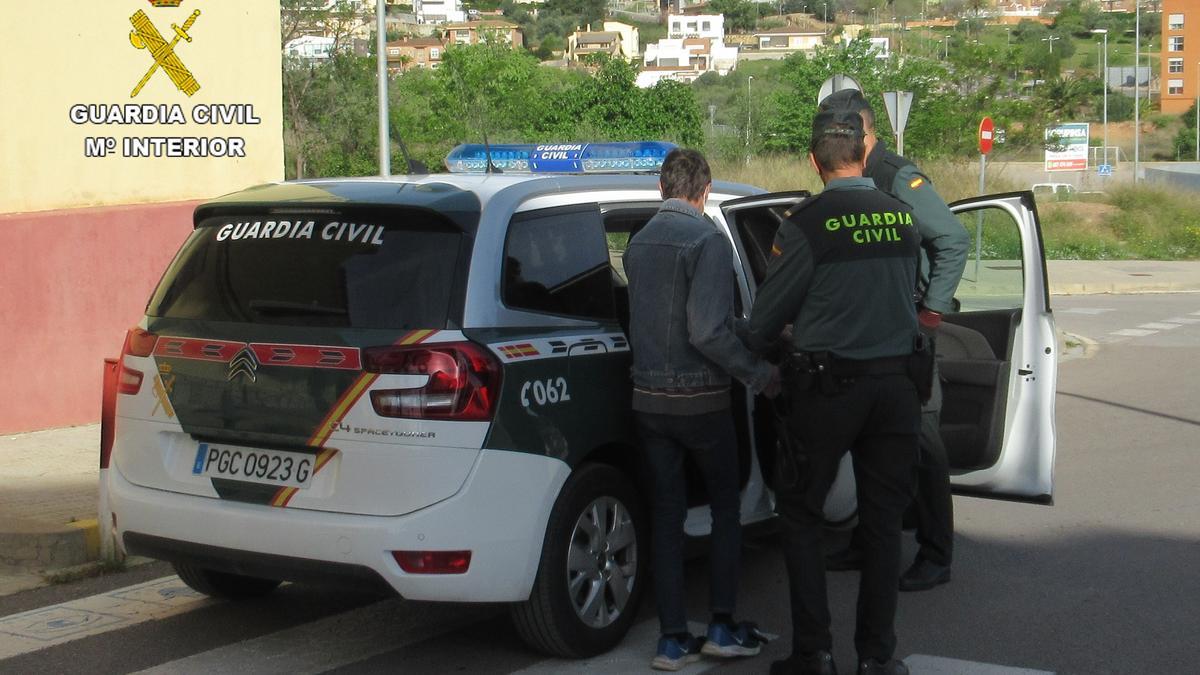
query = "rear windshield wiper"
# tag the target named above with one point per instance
(285, 307)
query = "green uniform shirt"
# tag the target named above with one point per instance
(842, 273)
(945, 243)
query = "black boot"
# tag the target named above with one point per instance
(874, 667)
(807, 663)
(924, 575)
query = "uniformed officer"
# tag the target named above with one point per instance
(842, 272)
(944, 248)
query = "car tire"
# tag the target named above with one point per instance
(590, 578)
(223, 584)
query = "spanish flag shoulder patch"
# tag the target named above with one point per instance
(916, 182)
(775, 250)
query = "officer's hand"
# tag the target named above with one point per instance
(929, 319)
(774, 383)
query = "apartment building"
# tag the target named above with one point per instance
(1180, 55)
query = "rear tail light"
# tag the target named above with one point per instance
(138, 342)
(464, 381)
(433, 562)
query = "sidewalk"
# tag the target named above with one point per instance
(48, 490)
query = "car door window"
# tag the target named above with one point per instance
(556, 261)
(994, 277)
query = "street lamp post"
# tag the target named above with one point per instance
(749, 108)
(1051, 40)
(1137, 90)
(385, 144)
(1104, 80)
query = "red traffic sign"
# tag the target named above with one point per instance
(986, 131)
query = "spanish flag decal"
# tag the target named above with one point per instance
(916, 182)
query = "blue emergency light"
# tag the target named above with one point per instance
(636, 156)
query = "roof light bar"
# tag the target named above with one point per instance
(636, 156)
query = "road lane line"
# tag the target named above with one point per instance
(1158, 325)
(1085, 310)
(1183, 319)
(922, 664)
(1133, 332)
(121, 608)
(333, 641)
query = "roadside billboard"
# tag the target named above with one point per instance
(1067, 147)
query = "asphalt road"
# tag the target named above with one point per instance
(1103, 581)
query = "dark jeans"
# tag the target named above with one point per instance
(710, 441)
(877, 418)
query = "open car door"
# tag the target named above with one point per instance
(998, 355)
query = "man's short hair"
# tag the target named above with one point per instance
(837, 139)
(849, 100)
(684, 175)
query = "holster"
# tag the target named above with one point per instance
(920, 365)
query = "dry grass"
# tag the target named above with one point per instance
(1132, 223)
(954, 180)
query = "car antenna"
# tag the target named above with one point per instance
(415, 167)
(487, 149)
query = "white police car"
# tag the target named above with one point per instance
(421, 383)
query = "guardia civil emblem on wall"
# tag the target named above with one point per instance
(145, 35)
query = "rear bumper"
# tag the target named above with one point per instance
(500, 515)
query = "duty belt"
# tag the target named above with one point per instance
(836, 366)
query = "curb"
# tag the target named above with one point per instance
(1122, 288)
(29, 546)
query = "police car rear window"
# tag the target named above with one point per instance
(361, 272)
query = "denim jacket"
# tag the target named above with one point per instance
(681, 322)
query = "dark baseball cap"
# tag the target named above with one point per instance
(849, 100)
(837, 122)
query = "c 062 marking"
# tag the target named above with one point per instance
(545, 392)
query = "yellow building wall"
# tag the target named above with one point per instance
(54, 56)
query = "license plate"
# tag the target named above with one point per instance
(255, 465)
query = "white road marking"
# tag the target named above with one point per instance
(332, 642)
(1158, 325)
(1085, 310)
(49, 626)
(1133, 332)
(633, 655)
(1195, 313)
(920, 664)
(1183, 320)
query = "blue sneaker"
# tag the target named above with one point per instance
(739, 639)
(674, 654)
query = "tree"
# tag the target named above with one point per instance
(329, 118)
(740, 15)
(491, 87)
(305, 17)
(1185, 139)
